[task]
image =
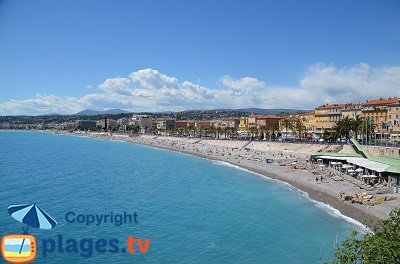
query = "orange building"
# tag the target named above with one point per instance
(376, 110)
(262, 120)
(394, 121)
(326, 116)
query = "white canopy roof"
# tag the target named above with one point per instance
(369, 176)
(362, 162)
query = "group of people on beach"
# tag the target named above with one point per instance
(316, 179)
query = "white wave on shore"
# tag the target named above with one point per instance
(328, 208)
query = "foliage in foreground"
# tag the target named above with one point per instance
(383, 246)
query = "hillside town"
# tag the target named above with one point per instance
(373, 121)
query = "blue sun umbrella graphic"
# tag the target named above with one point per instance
(32, 216)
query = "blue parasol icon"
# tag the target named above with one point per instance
(31, 215)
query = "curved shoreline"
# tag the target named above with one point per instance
(359, 217)
(364, 215)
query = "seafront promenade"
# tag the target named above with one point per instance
(285, 162)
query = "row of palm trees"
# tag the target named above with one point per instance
(262, 132)
(343, 129)
(346, 128)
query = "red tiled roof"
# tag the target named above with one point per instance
(231, 118)
(330, 106)
(380, 101)
(202, 121)
(267, 117)
(308, 113)
(185, 121)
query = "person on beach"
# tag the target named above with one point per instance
(316, 179)
(321, 179)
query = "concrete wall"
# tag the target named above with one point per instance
(383, 151)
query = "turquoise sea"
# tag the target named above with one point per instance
(193, 210)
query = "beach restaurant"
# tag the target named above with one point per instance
(374, 171)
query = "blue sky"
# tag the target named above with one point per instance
(65, 56)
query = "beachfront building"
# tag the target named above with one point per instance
(352, 110)
(394, 121)
(67, 125)
(244, 124)
(251, 119)
(144, 122)
(233, 122)
(326, 115)
(183, 124)
(267, 121)
(308, 120)
(376, 112)
(164, 126)
(225, 123)
(107, 124)
(85, 124)
(184, 127)
(123, 123)
(200, 124)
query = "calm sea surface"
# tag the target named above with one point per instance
(193, 210)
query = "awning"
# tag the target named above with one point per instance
(362, 162)
(369, 176)
(369, 164)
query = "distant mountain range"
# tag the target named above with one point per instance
(262, 111)
(105, 112)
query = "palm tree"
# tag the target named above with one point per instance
(219, 131)
(287, 124)
(369, 129)
(300, 128)
(212, 129)
(343, 127)
(253, 131)
(192, 128)
(261, 130)
(233, 131)
(225, 130)
(357, 125)
(274, 128)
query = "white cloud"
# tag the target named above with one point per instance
(116, 85)
(149, 90)
(41, 104)
(245, 84)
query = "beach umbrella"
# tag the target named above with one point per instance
(32, 216)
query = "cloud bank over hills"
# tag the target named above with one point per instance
(150, 90)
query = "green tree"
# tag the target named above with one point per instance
(261, 131)
(381, 247)
(253, 132)
(300, 128)
(225, 130)
(232, 131)
(329, 134)
(219, 131)
(212, 129)
(274, 131)
(287, 124)
(356, 126)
